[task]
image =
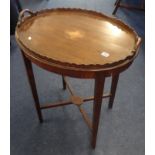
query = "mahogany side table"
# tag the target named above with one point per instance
(76, 43)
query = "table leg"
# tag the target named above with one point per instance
(116, 6)
(116, 2)
(63, 82)
(30, 75)
(143, 4)
(113, 90)
(98, 92)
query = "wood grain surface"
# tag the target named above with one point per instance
(75, 37)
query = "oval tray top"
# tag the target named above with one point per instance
(77, 38)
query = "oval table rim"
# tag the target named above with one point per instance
(77, 67)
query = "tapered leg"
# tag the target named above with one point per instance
(30, 75)
(63, 82)
(116, 2)
(116, 6)
(143, 4)
(113, 90)
(18, 5)
(98, 92)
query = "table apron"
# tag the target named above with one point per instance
(75, 72)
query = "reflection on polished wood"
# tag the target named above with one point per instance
(77, 38)
(77, 43)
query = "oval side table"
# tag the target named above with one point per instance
(76, 43)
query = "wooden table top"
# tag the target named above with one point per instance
(78, 38)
